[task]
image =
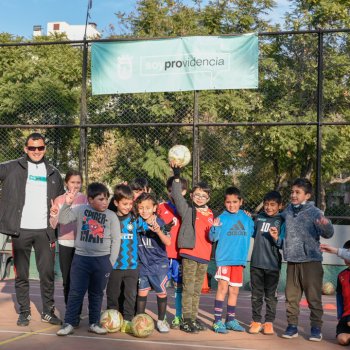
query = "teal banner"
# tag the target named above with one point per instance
(181, 64)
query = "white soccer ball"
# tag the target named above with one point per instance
(180, 155)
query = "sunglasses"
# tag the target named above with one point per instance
(33, 148)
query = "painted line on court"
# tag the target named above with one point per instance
(123, 340)
(24, 335)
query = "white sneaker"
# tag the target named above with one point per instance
(163, 326)
(96, 328)
(66, 329)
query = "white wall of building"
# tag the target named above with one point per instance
(73, 32)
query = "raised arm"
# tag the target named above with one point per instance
(324, 226)
(215, 230)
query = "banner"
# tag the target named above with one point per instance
(180, 64)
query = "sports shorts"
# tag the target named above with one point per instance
(232, 274)
(155, 282)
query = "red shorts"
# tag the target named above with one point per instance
(232, 274)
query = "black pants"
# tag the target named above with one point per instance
(66, 257)
(88, 274)
(118, 279)
(45, 261)
(264, 285)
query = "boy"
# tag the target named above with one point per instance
(304, 224)
(167, 212)
(96, 249)
(195, 247)
(343, 302)
(232, 230)
(124, 276)
(265, 263)
(139, 185)
(152, 240)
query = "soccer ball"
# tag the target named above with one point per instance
(328, 288)
(180, 154)
(142, 325)
(111, 320)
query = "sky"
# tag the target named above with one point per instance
(17, 17)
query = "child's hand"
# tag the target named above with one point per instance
(322, 221)
(328, 249)
(216, 222)
(248, 213)
(274, 233)
(173, 164)
(152, 224)
(70, 195)
(54, 209)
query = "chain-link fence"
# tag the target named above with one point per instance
(294, 125)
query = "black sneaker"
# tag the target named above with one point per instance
(50, 318)
(199, 325)
(23, 319)
(188, 327)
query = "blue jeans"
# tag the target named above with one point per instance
(87, 274)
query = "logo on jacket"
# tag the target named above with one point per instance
(237, 230)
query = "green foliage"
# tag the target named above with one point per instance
(40, 85)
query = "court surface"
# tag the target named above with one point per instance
(39, 335)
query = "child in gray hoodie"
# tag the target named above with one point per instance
(304, 224)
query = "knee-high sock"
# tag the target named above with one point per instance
(218, 310)
(141, 304)
(162, 303)
(178, 301)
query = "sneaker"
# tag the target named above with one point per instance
(219, 327)
(233, 325)
(268, 328)
(163, 326)
(66, 329)
(175, 324)
(126, 327)
(188, 327)
(23, 319)
(291, 332)
(97, 329)
(50, 318)
(316, 334)
(255, 328)
(199, 325)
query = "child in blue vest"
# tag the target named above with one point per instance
(232, 231)
(153, 259)
(122, 284)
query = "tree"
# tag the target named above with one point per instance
(40, 85)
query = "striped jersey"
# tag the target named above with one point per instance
(127, 258)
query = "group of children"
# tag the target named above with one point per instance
(137, 245)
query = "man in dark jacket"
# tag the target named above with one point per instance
(28, 186)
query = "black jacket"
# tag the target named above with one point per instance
(13, 175)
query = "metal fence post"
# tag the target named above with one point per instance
(318, 194)
(195, 156)
(83, 115)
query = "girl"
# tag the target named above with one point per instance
(67, 233)
(153, 258)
